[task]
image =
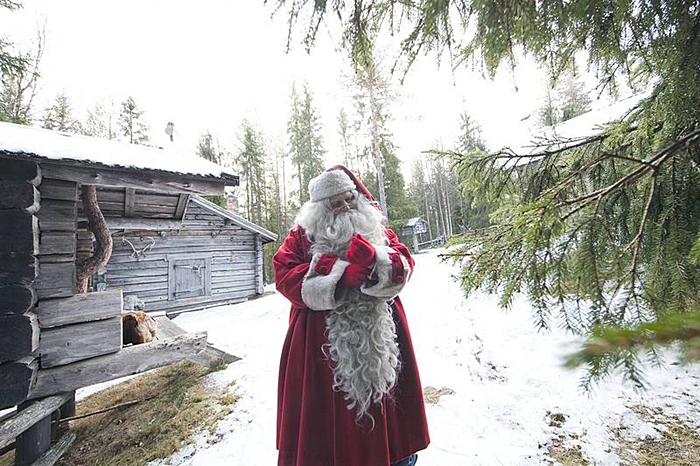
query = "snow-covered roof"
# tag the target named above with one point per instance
(266, 235)
(581, 126)
(412, 221)
(34, 141)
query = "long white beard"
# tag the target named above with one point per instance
(362, 344)
(363, 348)
(331, 233)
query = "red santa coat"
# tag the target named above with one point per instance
(314, 426)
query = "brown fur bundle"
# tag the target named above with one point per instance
(138, 327)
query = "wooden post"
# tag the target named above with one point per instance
(33, 442)
(415, 242)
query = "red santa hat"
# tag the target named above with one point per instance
(359, 186)
(328, 184)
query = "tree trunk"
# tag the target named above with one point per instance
(103, 249)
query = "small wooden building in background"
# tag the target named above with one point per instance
(206, 257)
(52, 340)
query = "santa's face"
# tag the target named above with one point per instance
(343, 202)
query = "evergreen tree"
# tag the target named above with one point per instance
(573, 99)
(131, 124)
(602, 233)
(472, 212)
(59, 116)
(305, 141)
(19, 80)
(208, 149)
(101, 121)
(570, 100)
(250, 163)
(10, 62)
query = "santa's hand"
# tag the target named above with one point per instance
(355, 275)
(360, 251)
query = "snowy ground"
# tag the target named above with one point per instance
(507, 381)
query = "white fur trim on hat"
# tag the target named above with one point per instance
(329, 184)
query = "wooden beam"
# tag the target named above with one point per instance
(128, 361)
(59, 449)
(22, 420)
(58, 215)
(19, 232)
(57, 242)
(151, 180)
(210, 356)
(18, 195)
(34, 441)
(181, 205)
(84, 307)
(56, 280)
(19, 336)
(59, 190)
(18, 267)
(21, 170)
(63, 345)
(129, 199)
(119, 223)
(16, 298)
(16, 380)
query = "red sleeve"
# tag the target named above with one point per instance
(291, 266)
(399, 247)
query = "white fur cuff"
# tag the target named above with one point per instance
(319, 291)
(387, 281)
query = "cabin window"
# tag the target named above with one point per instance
(189, 277)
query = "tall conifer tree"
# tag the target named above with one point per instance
(133, 128)
(602, 233)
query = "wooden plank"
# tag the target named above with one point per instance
(19, 336)
(31, 444)
(64, 345)
(119, 223)
(16, 298)
(129, 199)
(57, 242)
(19, 232)
(18, 267)
(57, 215)
(84, 307)
(22, 170)
(181, 205)
(59, 449)
(128, 361)
(19, 195)
(149, 180)
(59, 190)
(16, 380)
(211, 355)
(56, 280)
(22, 420)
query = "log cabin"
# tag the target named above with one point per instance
(54, 338)
(205, 256)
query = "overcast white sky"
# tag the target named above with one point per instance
(207, 65)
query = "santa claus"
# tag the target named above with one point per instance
(349, 392)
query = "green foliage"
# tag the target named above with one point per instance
(19, 77)
(305, 140)
(101, 121)
(570, 100)
(10, 62)
(602, 232)
(131, 124)
(250, 163)
(59, 116)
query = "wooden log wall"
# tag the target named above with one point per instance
(19, 247)
(57, 221)
(204, 234)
